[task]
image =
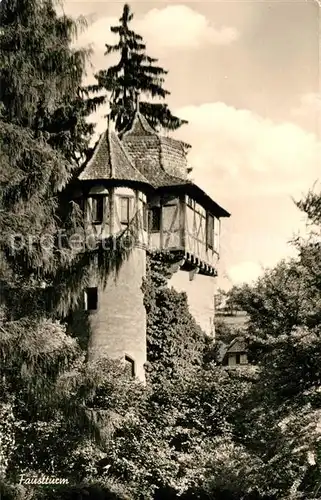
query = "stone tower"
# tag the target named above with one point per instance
(140, 178)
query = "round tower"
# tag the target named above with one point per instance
(114, 195)
(117, 183)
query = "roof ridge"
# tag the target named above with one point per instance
(238, 338)
(145, 123)
(129, 159)
(138, 116)
(96, 149)
(110, 160)
(183, 144)
(160, 153)
(109, 147)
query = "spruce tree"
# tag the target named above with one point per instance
(135, 72)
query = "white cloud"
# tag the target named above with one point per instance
(309, 106)
(236, 151)
(245, 272)
(308, 102)
(98, 33)
(171, 27)
(179, 26)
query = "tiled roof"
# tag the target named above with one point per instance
(140, 126)
(237, 345)
(110, 161)
(195, 192)
(145, 154)
(161, 159)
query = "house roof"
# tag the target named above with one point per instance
(199, 195)
(110, 161)
(139, 127)
(237, 346)
(145, 157)
(163, 160)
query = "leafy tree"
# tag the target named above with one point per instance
(226, 332)
(174, 340)
(285, 297)
(279, 420)
(191, 398)
(135, 72)
(42, 133)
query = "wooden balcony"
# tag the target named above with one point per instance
(177, 227)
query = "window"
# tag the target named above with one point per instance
(91, 299)
(238, 359)
(145, 216)
(130, 366)
(124, 210)
(190, 202)
(97, 209)
(243, 359)
(210, 231)
(155, 219)
(217, 224)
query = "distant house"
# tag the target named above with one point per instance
(236, 353)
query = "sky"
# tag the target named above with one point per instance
(245, 74)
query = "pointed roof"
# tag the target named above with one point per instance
(162, 160)
(110, 161)
(139, 126)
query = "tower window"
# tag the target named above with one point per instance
(91, 299)
(130, 366)
(190, 202)
(97, 209)
(216, 234)
(155, 219)
(124, 210)
(210, 231)
(145, 217)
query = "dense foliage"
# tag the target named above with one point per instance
(175, 342)
(281, 417)
(42, 133)
(135, 73)
(196, 430)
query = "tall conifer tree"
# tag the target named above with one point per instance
(135, 72)
(43, 132)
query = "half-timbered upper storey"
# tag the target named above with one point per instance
(141, 178)
(113, 192)
(183, 218)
